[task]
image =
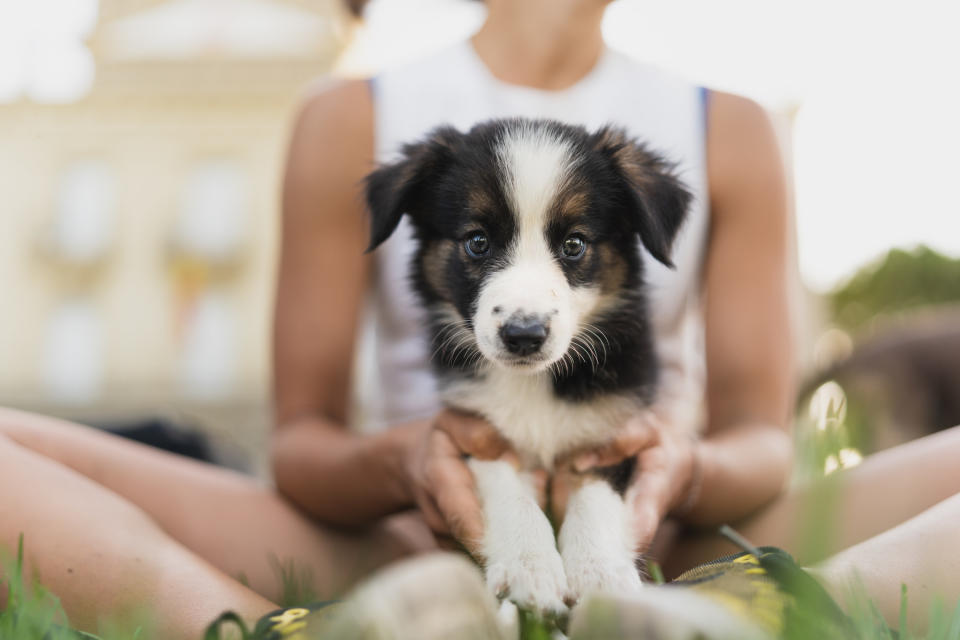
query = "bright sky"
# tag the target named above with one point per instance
(42, 55)
(875, 85)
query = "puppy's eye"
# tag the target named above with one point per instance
(477, 245)
(573, 247)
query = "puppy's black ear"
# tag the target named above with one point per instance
(398, 188)
(659, 198)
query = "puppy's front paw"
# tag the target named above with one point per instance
(535, 582)
(614, 575)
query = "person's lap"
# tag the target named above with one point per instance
(887, 489)
(102, 555)
(237, 525)
(230, 520)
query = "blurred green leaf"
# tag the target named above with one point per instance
(900, 281)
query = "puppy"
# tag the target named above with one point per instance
(529, 266)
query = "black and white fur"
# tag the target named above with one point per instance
(528, 264)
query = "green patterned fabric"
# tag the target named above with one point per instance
(293, 623)
(766, 587)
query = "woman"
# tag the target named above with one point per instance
(531, 58)
(146, 526)
(536, 57)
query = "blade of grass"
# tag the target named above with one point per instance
(954, 632)
(656, 573)
(903, 611)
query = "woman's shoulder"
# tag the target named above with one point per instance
(334, 118)
(330, 148)
(335, 100)
(737, 112)
(743, 148)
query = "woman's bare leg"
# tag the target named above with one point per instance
(225, 518)
(103, 556)
(887, 489)
(921, 553)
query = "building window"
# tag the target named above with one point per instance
(208, 353)
(84, 220)
(73, 356)
(213, 216)
(209, 237)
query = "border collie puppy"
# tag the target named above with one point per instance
(529, 266)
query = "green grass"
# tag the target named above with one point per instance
(943, 621)
(32, 612)
(29, 613)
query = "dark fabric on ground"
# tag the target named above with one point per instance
(166, 435)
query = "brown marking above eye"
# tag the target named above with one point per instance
(571, 202)
(574, 203)
(479, 200)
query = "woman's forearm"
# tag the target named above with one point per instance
(739, 470)
(343, 478)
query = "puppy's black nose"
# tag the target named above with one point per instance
(523, 336)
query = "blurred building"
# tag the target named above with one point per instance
(138, 223)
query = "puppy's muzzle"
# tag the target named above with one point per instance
(524, 335)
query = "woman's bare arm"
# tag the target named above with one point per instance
(333, 474)
(745, 457)
(323, 276)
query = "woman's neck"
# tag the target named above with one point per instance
(545, 44)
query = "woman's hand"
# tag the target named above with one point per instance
(666, 479)
(439, 481)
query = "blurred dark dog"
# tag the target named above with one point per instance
(903, 382)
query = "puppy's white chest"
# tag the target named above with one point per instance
(541, 426)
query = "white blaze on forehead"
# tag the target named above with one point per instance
(535, 164)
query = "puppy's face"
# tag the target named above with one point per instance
(527, 231)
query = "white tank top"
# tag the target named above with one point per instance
(455, 87)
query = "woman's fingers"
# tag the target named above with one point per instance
(634, 438)
(433, 517)
(648, 499)
(464, 518)
(454, 492)
(472, 435)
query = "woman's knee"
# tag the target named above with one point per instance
(86, 450)
(31, 430)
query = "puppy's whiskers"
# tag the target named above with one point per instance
(598, 340)
(581, 350)
(590, 346)
(456, 344)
